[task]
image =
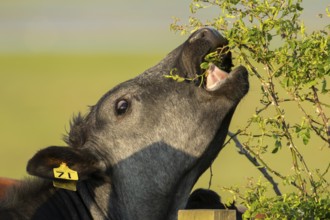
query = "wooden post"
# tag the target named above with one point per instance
(207, 214)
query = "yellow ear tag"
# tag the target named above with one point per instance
(68, 178)
(65, 173)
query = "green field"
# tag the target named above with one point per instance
(39, 94)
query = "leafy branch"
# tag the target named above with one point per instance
(213, 58)
(252, 158)
(292, 68)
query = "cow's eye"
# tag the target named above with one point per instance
(122, 106)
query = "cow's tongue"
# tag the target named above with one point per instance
(215, 77)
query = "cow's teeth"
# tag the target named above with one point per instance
(215, 77)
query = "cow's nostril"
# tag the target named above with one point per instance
(203, 34)
(199, 35)
(210, 35)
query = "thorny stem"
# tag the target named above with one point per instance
(321, 113)
(294, 151)
(264, 108)
(211, 175)
(269, 103)
(310, 120)
(269, 88)
(321, 103)
(255, 135)
(326, 170)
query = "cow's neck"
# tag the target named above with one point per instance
(135, 202)
(124, 201)
(150, 191)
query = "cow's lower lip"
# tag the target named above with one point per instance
(215, 77)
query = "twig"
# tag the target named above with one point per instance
(326, 170)
(272, 97)
(311, 120)
(255, 162)
(211, 176)
(321, 113)
(264, 108)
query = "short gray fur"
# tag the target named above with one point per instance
(143, 163)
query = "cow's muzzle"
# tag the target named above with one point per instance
(203, 42)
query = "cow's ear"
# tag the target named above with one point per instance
(44, 161)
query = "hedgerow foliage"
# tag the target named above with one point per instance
(293, 69)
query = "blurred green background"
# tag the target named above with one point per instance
(58, 57)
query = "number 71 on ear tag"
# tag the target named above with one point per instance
(65, 173)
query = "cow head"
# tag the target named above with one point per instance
(152, 136)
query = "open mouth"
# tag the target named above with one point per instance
(217, 72)
(215, 77)
(205, 59)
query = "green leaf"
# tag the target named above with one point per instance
(302, 28)
(324, 87)
(204, 65)
(180, 79)
(311, 83)
(250, 18)
(306, 136)
(278, 145)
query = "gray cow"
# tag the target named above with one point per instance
(142, 147)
